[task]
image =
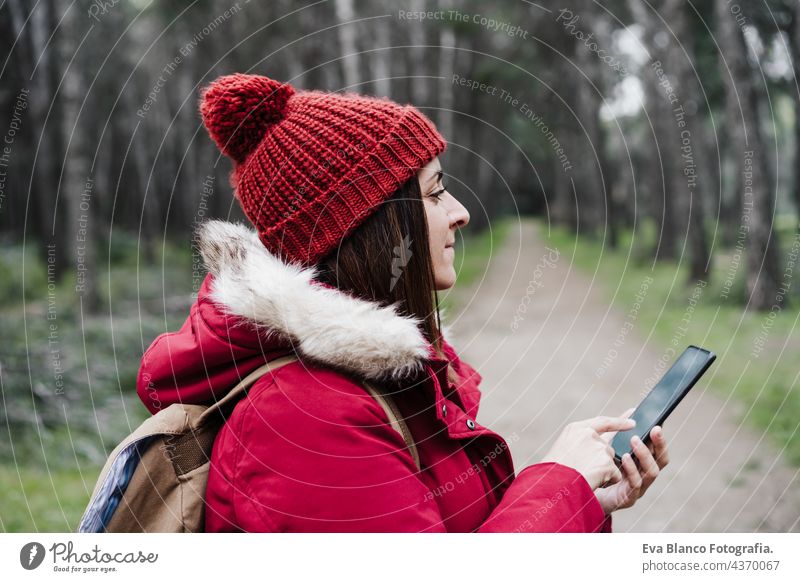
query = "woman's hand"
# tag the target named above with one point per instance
(636, 480)
(582, 447)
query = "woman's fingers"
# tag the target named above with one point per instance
(646, 461)
(615, 477)
(633, 480)
(632, 473)
(603, 424)
(640, 472)
(659, 444)
(609, 436)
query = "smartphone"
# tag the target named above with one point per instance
(664, 397)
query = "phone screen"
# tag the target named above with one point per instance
(664, 396)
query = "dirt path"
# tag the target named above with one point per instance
(539, 333)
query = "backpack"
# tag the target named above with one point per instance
(155, 480)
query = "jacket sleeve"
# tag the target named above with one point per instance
(548, 497)
(319, 455)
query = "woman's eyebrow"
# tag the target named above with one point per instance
(438, 176)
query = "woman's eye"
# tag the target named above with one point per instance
(439, 193)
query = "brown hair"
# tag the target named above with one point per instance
(387, 260)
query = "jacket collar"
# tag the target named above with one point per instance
(323, 323)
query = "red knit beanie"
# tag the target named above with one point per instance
(310, 166)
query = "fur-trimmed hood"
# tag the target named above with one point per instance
(253, 305)
(325, 324)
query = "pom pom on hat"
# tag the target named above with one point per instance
(238, 109)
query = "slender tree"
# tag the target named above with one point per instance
(794, 90)
(693, 182)
(743, 98)
(348, 34)
(662, 176)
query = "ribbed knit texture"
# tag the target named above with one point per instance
(310, 166)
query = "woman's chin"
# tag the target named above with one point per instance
(446, 280)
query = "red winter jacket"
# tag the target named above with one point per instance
(309, 449)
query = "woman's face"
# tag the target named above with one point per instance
(445, 214)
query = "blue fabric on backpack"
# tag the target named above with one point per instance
(105, 503)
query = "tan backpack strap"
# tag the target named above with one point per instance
(236, 392)
(388, 405)
(396, 420)
(171, 420)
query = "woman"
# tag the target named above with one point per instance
(354, 234)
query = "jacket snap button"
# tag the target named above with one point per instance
(444, 409)
(470, 424)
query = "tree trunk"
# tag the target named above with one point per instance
(345, 13)
(758, 198)
(78, 185)
(53, 144)
(692, 179)
(447, 63)
(420, 84)
(795, 91)
(557, 107)
(612, 160)
(380, 59)
(32, 26)
(662, 169)
(594, 186)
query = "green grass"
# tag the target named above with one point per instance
(35, 500)
(763, 386)
(78, 426)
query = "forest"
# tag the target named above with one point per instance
(665, 132)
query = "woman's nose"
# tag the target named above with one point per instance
(459, 218)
